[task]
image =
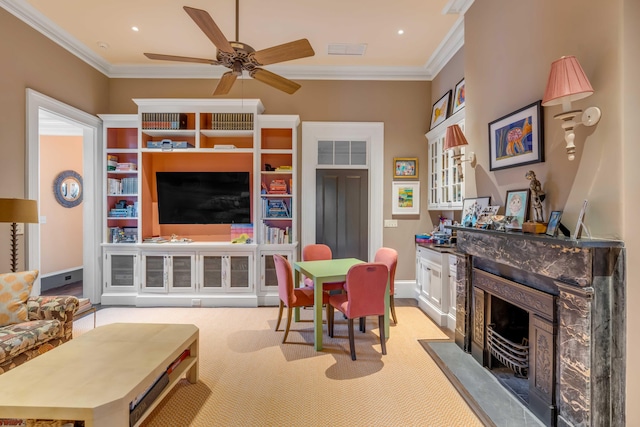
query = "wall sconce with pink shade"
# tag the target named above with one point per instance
(453, 140)
(567, 83)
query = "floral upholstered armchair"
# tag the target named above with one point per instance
(31, 326)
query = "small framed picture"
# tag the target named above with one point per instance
(554, 222)
(472, 208)
(405, 167)
(458, 97)
(516, 205)
(406, 198)
(440, 110)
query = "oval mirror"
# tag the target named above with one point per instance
(67, 187)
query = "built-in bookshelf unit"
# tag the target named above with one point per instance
(207, 173)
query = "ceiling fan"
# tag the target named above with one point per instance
(240, 57)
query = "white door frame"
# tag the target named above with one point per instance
(92, 135)
(373, 134)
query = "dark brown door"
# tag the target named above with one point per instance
(342, 212)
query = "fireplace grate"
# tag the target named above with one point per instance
(512, 355)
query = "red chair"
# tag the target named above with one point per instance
(366, 285)
(289, 295)
(319, 252)
(389, 257)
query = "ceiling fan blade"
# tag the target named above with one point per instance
(181, 58)
(274, 80)
(209, 27)
(226, 82)
(284, 52)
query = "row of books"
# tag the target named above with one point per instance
(275, 208)
(275, 235)
(84, 304)
(232, 121)
(164, 121)
(122, 186)
(139, 405)
(114, 165)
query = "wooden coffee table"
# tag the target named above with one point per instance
(93, 378)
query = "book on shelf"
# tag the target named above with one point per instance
(179, 360)
(171, 121)
(276, 235)
(232, 121)
(139, 405)
(275, 208)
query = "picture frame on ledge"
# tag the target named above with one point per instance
(405, 198)
(405, 168)
(440, 110)
(516, 205)
(517, 139)
(458, 97)
(554, 223)
(472, 208)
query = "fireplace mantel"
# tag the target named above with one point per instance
(586, 278)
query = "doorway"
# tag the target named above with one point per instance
(349, 147)
(90, 127)
(342, 205)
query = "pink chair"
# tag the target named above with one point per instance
(389, 257)
(319, 252)
(289, 295)
(366, 284)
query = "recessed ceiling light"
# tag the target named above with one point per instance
(135, 28)
(400, 32)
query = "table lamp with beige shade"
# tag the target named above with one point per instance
(17, 211)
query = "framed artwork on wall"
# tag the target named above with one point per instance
(405, 167)
(458, 97)
(406, 198)
(517, 139)
(440, 110)
(516, 206)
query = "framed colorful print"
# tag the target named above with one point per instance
(440, 110)
(406, 198)
(554, 223)
(458, 97)
(472, 208)
(517, 139)
(405, 167)
(516, 205)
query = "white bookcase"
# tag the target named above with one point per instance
(206, 135)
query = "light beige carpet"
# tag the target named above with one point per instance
(249, 378)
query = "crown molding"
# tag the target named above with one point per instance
(457, 7)
(445, 51)
(32, 17)
(451, 43)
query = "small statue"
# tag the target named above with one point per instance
(537, 196)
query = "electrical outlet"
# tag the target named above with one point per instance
(19, 228)
(390, 223)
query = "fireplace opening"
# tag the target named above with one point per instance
(508, 346)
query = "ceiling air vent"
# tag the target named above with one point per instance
(347, 49)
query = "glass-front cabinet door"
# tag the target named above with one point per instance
(154, 271)
(221, 272)
(121, 270)
(239, 273)
(268, 277)
(210, 274)
(182, 272)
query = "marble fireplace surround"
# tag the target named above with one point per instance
(586, 279)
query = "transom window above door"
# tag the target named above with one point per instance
(342, 153)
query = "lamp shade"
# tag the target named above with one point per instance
(454, 137)
(18, 211)
(567, 82)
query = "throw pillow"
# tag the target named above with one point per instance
(14, 291)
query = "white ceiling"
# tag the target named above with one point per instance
(99, 32)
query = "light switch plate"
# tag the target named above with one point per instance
(390, 223)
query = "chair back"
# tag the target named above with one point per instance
(284, 274)
(366, 285)
(316, 252)
(388, 257)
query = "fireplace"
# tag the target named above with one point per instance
(546, 316)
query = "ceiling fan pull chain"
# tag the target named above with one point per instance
(237, 20)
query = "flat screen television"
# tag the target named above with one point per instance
(204, 197)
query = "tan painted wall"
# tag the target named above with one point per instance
(61, 236)
(402, 106)
(30, 60)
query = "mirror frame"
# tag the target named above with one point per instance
(61, 198)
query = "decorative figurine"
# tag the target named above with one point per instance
(537, 196)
